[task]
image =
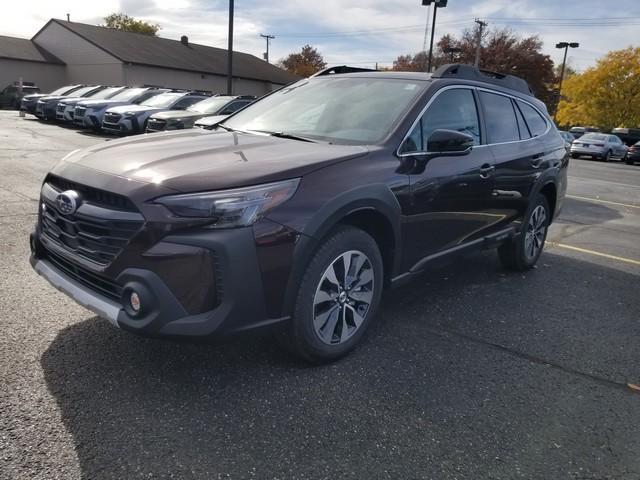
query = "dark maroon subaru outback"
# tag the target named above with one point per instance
(300, 209)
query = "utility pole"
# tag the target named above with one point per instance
(268, 38)
(230, 52)
(566, 46)
(481, 27)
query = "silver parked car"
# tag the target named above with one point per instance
(599, 146)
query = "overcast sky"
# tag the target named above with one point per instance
(358, 32)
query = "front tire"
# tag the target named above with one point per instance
(523, 252)
(338, 296)
(607, 156)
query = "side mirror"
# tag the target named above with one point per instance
(449, 142)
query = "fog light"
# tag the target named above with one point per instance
(134, 301)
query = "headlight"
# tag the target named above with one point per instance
(238, 207)
(130, 114)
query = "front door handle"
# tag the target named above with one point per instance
(486, 170)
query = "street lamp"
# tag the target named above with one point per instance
(436, 4)
(566, 46)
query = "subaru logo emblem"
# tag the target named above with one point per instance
(67, 202)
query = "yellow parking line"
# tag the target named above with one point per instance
(598, 254)
(603, 201)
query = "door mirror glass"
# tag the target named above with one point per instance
(449, 141)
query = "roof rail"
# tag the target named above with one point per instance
(469, 72)
(341, 69)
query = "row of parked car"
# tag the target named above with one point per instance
(124, 110)
(600, 146)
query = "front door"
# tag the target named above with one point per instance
(451, 195)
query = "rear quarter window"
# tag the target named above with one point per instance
(536, 122)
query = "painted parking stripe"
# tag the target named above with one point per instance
(603, 201)
(593, 252)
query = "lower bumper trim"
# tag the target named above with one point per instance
(103, 307)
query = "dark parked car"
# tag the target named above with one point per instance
(634, 154)
(131, 119)
(12, 95)
(46, 106)
(179, 120)
(298, 210)
(29, 102)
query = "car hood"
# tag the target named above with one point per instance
(175, 114)
(133, 108)
(48, 98)
(71, 100)
(209, 121)
(102, 103)
(34, 96)
(199, 160)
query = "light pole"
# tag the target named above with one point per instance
(230, 52)
(566, 46)
(436, 4)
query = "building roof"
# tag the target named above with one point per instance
(154, 51)
(24, 49)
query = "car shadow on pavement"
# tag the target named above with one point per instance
(435, 391)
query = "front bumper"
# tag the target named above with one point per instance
(240, 306)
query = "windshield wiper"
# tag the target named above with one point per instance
(219, 125)
(290, 136)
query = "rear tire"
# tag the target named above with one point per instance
(335, 305)
(523, 252)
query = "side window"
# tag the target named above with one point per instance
(453, 109)
(522, 126)
(500, 117)
(537, 124)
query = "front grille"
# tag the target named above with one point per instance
(60, 108)
(92, 195)
(95, 282)
(156, 125)
(96, 231)
(79, 111)
(113, 118)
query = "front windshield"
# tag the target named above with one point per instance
(61, 90)
(210, 105)
(106, 93)
(352, 110)
(128, 94)
(162, 100)
(81, 92)
(591, 136)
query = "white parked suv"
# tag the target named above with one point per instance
(600, 146)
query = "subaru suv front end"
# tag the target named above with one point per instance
(65, 110)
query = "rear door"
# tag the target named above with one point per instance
(513, 128)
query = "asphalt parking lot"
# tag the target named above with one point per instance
(470, 373)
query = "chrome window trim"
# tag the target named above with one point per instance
(477, 89)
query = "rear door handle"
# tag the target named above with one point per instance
(486, 170)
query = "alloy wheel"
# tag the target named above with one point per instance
(343, 297)
(536, 231)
